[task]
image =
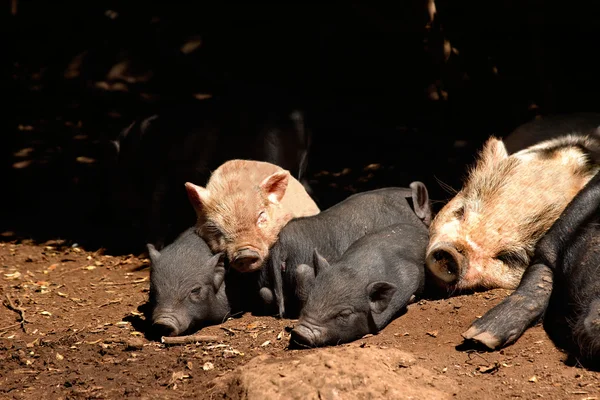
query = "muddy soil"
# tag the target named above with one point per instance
(84, 337)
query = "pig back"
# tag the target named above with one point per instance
(331, 233)
(550, 127)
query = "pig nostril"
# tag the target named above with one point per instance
(165, 328)
(245, 258)
(447, 261)
(443, 263)
(300, 336)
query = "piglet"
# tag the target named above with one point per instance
(290, 268)
(187, 287)
(244, 206)
(370, 285)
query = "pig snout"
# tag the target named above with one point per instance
(306, 335)
(445, 262)
(166, 325)
(246, 260)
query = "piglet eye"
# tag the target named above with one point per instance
(196, 294)
(344, 314)
(459, 212)
(262, 218)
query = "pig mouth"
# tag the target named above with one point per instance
(446, 263)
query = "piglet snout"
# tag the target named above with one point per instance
(445, 262)
(166, 326)
(305, 335)
(245, 260)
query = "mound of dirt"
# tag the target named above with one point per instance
(346, 372)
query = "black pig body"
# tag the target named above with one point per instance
(571, 249)
(360, 293)
(290, 269)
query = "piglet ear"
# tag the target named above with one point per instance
(275, 185)
(493, 151)
(152, 252)
(218, 263)
(380, 294)
(197, 195)
(319, 262)
(420, 198)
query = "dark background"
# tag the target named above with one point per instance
(381, 84)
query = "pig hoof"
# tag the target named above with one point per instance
(486, 338)
(266, 295)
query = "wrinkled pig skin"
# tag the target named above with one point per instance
(153, 157)
(290, 264)
(563, 286)
(485, 236)
(186, 286)
(370, 285)
(244, 206)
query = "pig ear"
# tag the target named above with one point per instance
(275, 186)
(319, 262)
(493, 151)
(420, 198)
(197, 195)
(219, 265)
(380, 294)
(152, 252)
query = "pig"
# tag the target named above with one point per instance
(290, 263)
(244, 206)
(561, 286)
(485, 236)
(187, 288)
(366, 288)
(154, 156)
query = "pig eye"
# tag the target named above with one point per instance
(460, 212)
(262, 218)
(512, 258)
(344, 314)
(196, 294)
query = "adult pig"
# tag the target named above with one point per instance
(485, 236)
(186, 286)
(366, 288)
(244, 206)
(155, 156)
(291, 265)
(560, 285)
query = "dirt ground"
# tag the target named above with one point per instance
(84, 338)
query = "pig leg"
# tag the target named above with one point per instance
(266, 295)
(506, 322)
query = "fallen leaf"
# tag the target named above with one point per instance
(59, 357)
(280, 335)
(13, 276)
(208, 366)
(46, 313)
(61, 294)
(252, 325)
(488, 369)
(533, 379)
(433, 333)
(268, 342)
(90, 267)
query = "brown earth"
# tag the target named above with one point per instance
(83, 339)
